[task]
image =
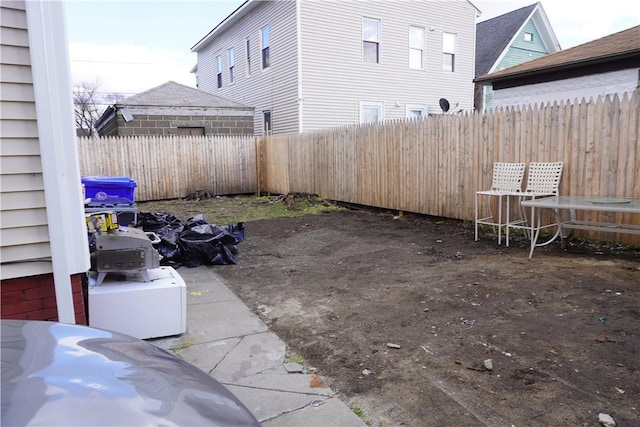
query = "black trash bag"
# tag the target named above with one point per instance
(203, 243)
(236, 230)
(168, 228)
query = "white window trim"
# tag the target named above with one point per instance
(370, 104)
(231, 58)
(421, 107)
(262, 67)
(454, 53)
(379, 39)
(527, 33)
(247, 56)
(219, 84)
(422, 47)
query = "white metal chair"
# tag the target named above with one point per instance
(543, 181)
(507, 181)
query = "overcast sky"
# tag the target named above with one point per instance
(130, 46)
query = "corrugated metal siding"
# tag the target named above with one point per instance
(273, 89)
(335, 80)
(23, 226)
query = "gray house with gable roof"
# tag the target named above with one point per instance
(175, 109)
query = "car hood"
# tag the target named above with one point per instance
(60, 374)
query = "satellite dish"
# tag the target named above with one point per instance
(444, 104)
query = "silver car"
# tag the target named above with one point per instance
(70, 375)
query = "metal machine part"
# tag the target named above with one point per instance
(122, 250)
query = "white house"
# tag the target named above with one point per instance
(606, 66)
(306, 65)
(43, 237)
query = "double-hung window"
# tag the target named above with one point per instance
(371, 112)
(266, 122)
(265, 47)
(248, 57)
(416, 48)
(449, 44)
(232, 63)
(219, 64)
(371, 40)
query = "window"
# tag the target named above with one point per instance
(449, 42)
(416, 48)
(266, 122)
(528, 37)
(232, 63)
(219, 62)
(371, 112)
(248, 57)
(371, 40)
(416, 111)
(265, 48)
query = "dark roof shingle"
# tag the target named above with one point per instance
(625, 43)
(172, 94)
(493, 36)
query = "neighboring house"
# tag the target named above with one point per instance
(306, 65)
(511, 39)
(175, 109)
(609, 65)
(44, 252)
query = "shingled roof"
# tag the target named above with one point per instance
(172, 94)
(616, 51)
(493, 36)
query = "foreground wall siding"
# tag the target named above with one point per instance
(33, 298)
(24, 235)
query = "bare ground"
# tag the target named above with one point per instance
(561, 330)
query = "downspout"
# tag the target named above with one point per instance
(58, 149)
(299, 54)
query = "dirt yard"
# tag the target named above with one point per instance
(562, 330)
(406, 317)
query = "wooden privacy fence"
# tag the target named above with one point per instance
(431, 166)
(167, 167)
(434, 166)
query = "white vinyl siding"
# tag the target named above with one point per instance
(275, 90)
(24, 236)
(331, 94)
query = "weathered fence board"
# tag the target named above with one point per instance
(432, 166)
(173, 167)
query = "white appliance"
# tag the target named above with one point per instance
(156, 308)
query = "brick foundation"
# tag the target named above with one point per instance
(34, 298)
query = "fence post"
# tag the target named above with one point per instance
(259, 168)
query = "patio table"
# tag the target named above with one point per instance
(562, 204)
